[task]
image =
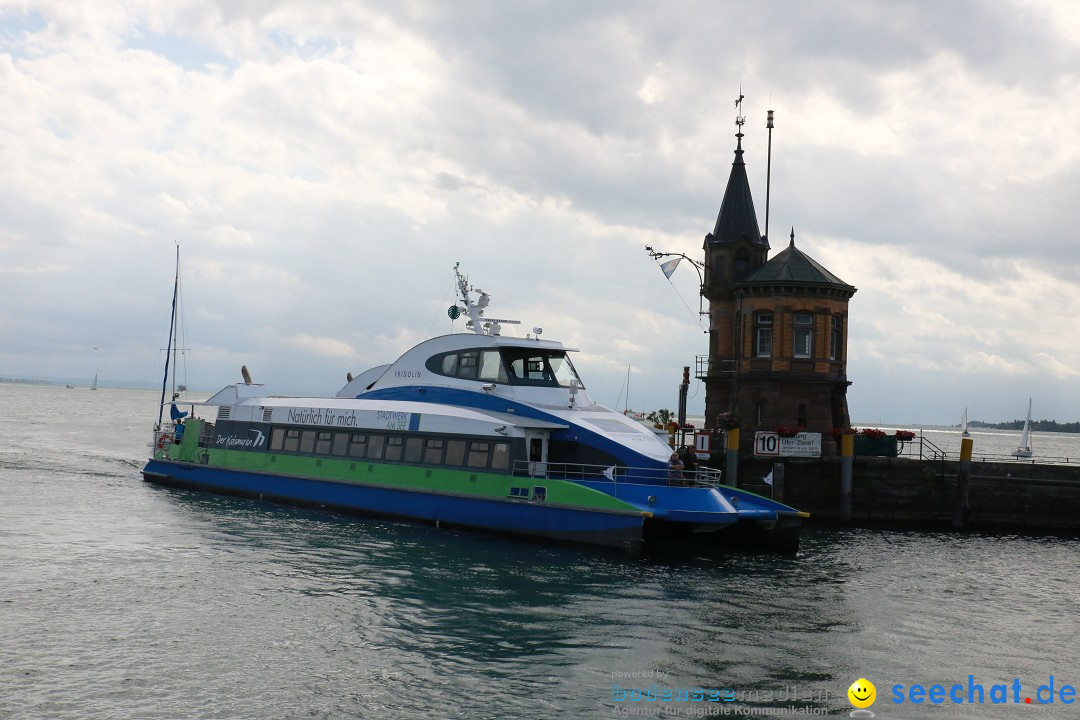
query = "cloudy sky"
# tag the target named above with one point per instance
(324, 165)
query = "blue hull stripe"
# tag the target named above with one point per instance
(527, 518)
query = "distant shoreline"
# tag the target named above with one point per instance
(1039, 425)
(83, 383)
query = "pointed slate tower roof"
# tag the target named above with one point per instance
(793, 268)
(737, 219)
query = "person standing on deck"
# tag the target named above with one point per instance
(675, 467)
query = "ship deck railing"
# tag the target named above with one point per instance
(580, 472)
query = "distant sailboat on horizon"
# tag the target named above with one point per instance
(1024, 450)
(94, 386)
(964, 425)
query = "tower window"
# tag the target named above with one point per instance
(715, 272)
(763, 332)
(804, 335)
(742, 265)
(836, 339)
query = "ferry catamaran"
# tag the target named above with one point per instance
(473, 429)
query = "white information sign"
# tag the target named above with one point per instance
(769, 444)
(701, 444)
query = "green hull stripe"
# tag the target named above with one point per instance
(429, 479)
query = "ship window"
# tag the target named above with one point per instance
(433, 450)
(763, 333)
(466, 365)
(277, 438)
(413, 446)
(549, 368)
(500, 459)
(393, 447)
(564, 371)
(322, 445)
(292, 441)
(358, 445)
(455, 452)
(375, 447)
(491, 367)
(341, 444)
(804, 335)
(478, 454)
(539, 493)
(484, 365)
(836, 341)
(307, 441)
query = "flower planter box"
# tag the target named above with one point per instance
(882, 446)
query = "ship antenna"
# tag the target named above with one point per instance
(474, 311)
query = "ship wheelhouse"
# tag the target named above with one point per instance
(508, 365)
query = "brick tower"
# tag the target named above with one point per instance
(777, 328)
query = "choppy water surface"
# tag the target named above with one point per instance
(120, 599)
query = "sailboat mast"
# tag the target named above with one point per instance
(169, 348)
(172, 322)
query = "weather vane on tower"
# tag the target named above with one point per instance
(740, 119)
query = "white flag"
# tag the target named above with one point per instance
(767, 479)
(669, 267)
(609, 473)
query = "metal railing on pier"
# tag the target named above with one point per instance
(922, 448)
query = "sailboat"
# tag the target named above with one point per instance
(94, 386)
(639, 416)
(1024, 450)
(964, 425)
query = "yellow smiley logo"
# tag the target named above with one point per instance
(862, 693)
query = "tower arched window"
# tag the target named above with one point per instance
(803, 346)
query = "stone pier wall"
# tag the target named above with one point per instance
(1002, 495)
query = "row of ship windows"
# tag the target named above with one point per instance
(479, 454)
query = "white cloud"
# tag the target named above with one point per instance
(330, 347)
(323, 167)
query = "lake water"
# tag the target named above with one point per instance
(121, 599)
(994, 445)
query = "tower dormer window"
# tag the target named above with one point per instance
(804, 335)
